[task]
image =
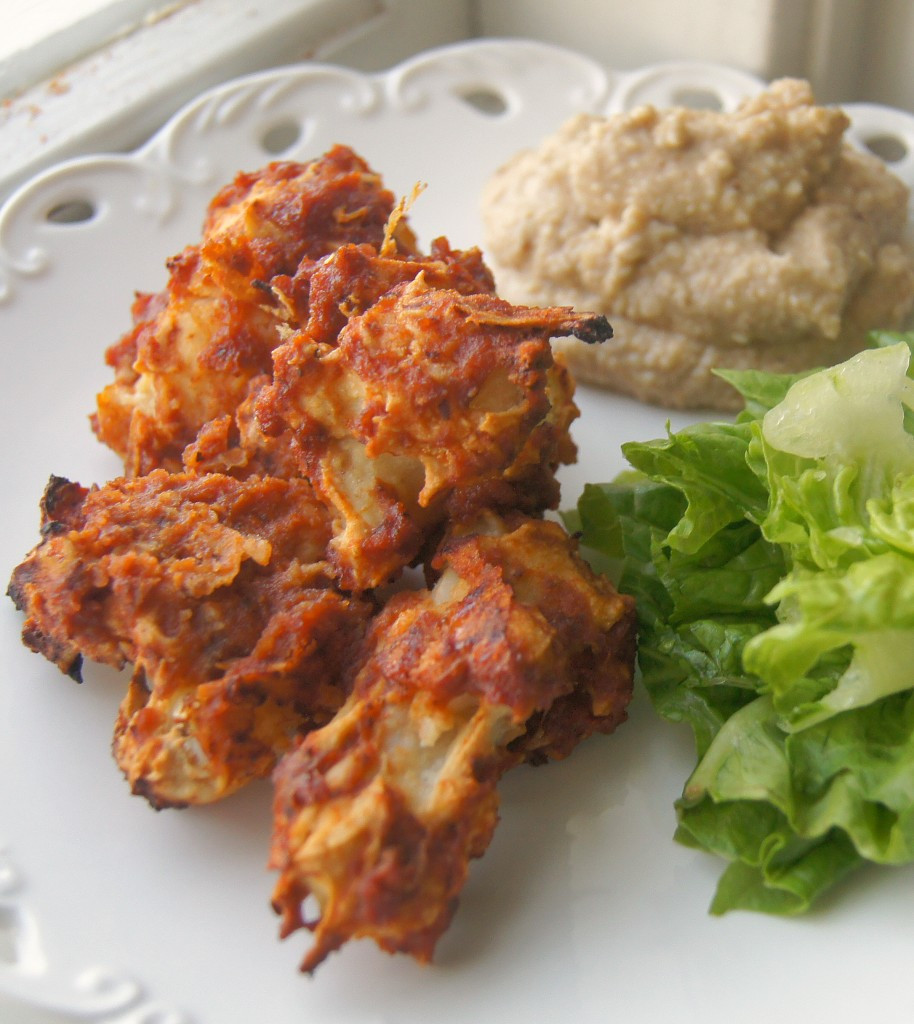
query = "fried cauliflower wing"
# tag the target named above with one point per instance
(215, 592)
(195, 347)
(429, 403)
(517, 653)
(311, 405)
(336, 287)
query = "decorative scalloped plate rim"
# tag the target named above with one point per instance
(583, 909)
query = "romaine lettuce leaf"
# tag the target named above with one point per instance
(772, 560)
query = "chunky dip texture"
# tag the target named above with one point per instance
(752, 239)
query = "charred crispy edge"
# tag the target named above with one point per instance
(592, 329)
(70, 662)
(143, 788)
(61, 498)
(60, 503)
(15, 589)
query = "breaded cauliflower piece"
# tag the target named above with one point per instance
(517, 653)
(428, 404)
(322, 299)
(196, 346)
(215, 592)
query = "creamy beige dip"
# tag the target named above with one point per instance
(753, 239)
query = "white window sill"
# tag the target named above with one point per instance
(118, 96)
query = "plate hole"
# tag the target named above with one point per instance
(71, 211)
(487, 101)
(281, 137)
(889, 148)
(697, 99)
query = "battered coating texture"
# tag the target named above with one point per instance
(430, 403)
(216, 594)
(518, 652)
(320, 299)
(753, 239)
(196, 346)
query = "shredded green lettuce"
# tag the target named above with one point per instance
(772, 560)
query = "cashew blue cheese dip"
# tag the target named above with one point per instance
(753, 239)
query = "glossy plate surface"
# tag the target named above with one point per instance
(583, 910)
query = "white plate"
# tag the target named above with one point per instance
(583, 909)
